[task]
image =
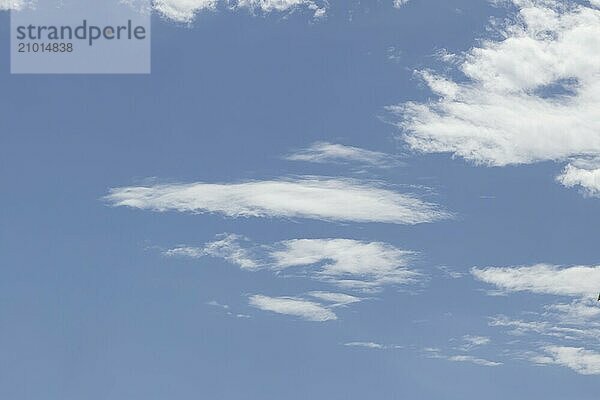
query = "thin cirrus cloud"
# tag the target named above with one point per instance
(325, 152)
(186, 10)
(437, 353)
(297, 307)
(368, 345)
(559, 325)
(336, 299)
(307, 197)
(531, 94)
(350, 264)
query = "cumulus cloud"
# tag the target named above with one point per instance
(186, 10)
(307, 310)
(352, 264)
(583, 361)
(324, 152)
(581, 281)
(585, 175)
(531, 94)
(308, 197)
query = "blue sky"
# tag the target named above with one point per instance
(188, 233)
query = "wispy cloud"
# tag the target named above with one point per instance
(471, 342)
(228, 246)
(308, 197)
(307, 310)
(432, 352)
(227, 309)
(553, 330)
(325, 152)
(373, 345)
(368, 345)
(582, 361)
(186, 10)
(474, 360)
(337, 299)
(581, 281)
(352, 264)
(531, 94)
(214, 303)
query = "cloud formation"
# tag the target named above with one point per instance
(582, 361)
(307, 310)
(325, 152)
(337, 299)
(352, 264)
(183, 10)
(432, 352)
(186, 10)
(585, 175)
(228, 246)
(553, 330)
(308, 197)
(368, 345)
(580, 281)
(531, 94)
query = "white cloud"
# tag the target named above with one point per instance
(531, 95)
(324, 152)
(186, 10)
(471, 342)
(369, 345)
(318, 7)
(580, 281)
(574, 322)
(348, 263)
(432, 352)
(583, 361)
(183, 10)
(352, 264)
(338, 299)
(304, 309)
(474, 360)
(584, 175)
(308, 197)
(227, 247)
(577, 311)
